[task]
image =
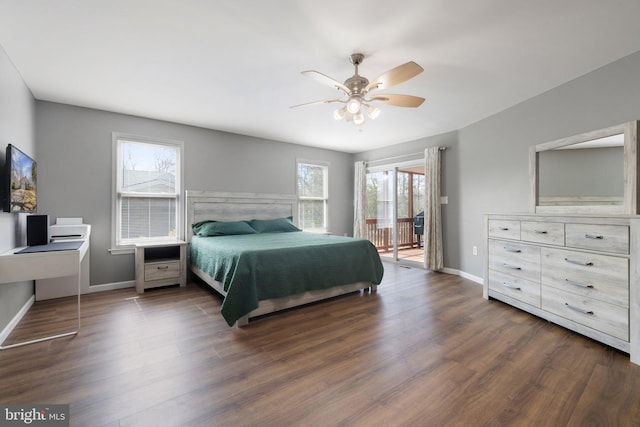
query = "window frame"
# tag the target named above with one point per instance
(326, 166)
(116, 246)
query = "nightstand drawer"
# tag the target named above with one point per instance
(160, 264)
(161, 270)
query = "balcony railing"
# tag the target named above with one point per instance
(381, 234)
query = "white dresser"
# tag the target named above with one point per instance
(580, 272)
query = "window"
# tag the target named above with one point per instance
(147, 191)
(313, 195)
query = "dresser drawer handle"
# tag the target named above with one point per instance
(162, 267)
(540, 231)
(510, 286)
(579, 310)
(581, 285)
(503, 228)
(583, 263)
(594, 236)
(514, 250)
(512, 267)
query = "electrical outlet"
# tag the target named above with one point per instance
(475, 250)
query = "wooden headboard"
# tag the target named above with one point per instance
(223, 206)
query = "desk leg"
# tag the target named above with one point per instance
(52, 337)
(20, 344)
(79, 292)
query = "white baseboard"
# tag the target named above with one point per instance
(448, 270)
(16, 319)
(111, 286)
(471, 277)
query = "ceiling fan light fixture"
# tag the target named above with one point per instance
(353, 105)
(373, 112)
(357, 90)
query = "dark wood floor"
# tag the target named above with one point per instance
(425, 350)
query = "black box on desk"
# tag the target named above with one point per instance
(37, 230)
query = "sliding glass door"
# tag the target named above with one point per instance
(395, 211)
(410, 217)
(380, 210)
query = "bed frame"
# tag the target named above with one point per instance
(222, 206)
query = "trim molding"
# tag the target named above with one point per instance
(471, 277)
(111, 286)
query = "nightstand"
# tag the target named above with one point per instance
(160, 264)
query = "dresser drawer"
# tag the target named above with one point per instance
(551, 233)
(504, 229)
(596, 276)
(605, 238)
(161, 270)
(516, 259)
(601, 316)
(523, 290)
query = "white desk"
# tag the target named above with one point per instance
(43, 265)
(59, 287)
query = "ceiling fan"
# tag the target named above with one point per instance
(357, 90)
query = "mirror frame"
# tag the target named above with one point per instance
(630, 196)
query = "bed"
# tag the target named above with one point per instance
(275, 266)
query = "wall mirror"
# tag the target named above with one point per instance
(594, 172)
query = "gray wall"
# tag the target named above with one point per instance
(17, 126)
(75, 148)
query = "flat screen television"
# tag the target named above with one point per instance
(20, 182)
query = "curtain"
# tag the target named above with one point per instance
(432, 213)
(359, 199)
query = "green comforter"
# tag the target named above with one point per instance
(255, 267)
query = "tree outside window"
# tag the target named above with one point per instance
(313, 196)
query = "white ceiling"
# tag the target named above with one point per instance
(235, 65)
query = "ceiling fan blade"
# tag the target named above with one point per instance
(326, 101)
(326, 80)
(398, 100)
(395, 76)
